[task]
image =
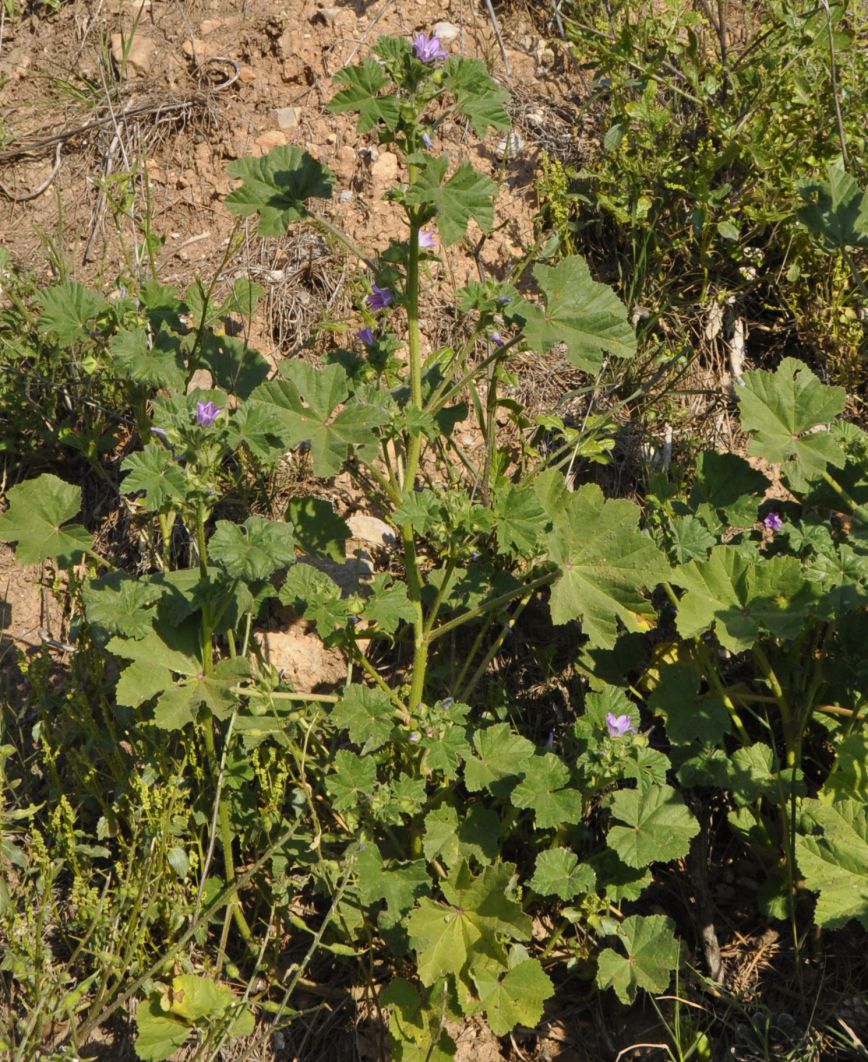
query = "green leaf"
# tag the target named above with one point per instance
(478, 96)
(443, 937)
(689, 539)
(834, 860)
(253, 550)
(352, 781)
(659, 826)
(689, 715)
(726, 491)
(467, 194)
(304, 405)
(559, 873)
(399, 884)
(276, 186)
(652, 955)
(416, 1031)
(449, 839)
(749, 772)
(235, 367)
(367, 714)
(193, 998)
(316, 596)
(153, 364)
(180, 704)
(121, 603)
(783, 411)
(517, 998)
(318, 529)
(68, 309)
(835, 210)
(502, 754)
(849, 776)
(543, 788)
(421, 508)
(259, 428)
(388, 605)
(35, 519)
(743, 597)
(521, 520)
(489, 898)
(605, 562)
(159, 1034)
(362, 94)
(587, 317)
(155, 471)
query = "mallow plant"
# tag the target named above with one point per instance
(716, 634)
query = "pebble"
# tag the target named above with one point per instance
(384, 172)
(140, 53)
(445, 32)
(288, 117)
(272, 138)
(510, 146)
(326, 14)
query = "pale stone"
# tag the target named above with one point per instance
(247, 74)
(445, 32)
(344, 163)
(384, 172)
(266, 141)
(288, 117)
(302, 659)
(139, 54)
(370, 530)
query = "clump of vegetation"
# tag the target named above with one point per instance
(714, 122)
(188, 838)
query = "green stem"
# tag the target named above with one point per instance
(860, 510)
(234, 908)
(324, 224)
(792, 735)
(493, 603)
(494, 649)
(414, 451)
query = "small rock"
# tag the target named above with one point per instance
(384, 172)
(302, 658)
(209, 25)
(266, 141)
(288, 117)
(370, 530)
(247, 74)
(200, 381)
(344, 163)
(328, 15)
(510, 146)
(445, 31)
(139, 54)
(346, 196)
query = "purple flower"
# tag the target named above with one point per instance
(426, 240)
(367, 336)
(773, 522)
(415, 737)
(379, 298)
(428, 49)
(497, 339)
(207, 413)
(427, 141)
(619, 725)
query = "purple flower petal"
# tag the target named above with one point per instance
(427, 141)
(429, 49)
(773, 522)
(379, 298)
(497, 339)
(207, 413)
(619, 725)
(367, 336)
(427, 240)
